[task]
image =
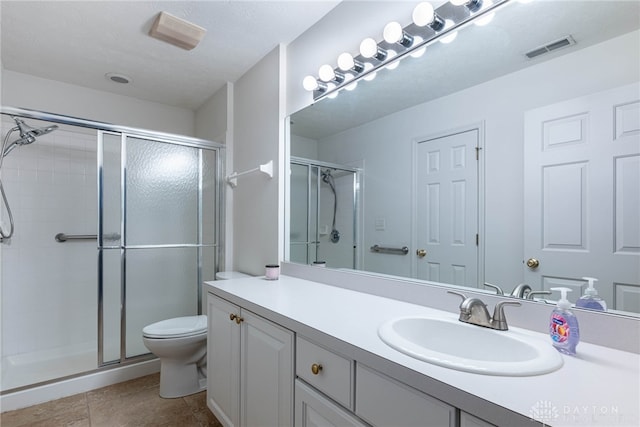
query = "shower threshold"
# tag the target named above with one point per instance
(31, 368)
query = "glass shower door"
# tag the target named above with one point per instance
(167, 202)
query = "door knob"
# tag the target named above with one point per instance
(533, 263)
(421, 253)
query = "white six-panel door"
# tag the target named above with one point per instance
(582, 195)
(447, 208)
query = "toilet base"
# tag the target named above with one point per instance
(179, 380)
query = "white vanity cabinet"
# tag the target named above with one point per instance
(382, 401)
(249, 367)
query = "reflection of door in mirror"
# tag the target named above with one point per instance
(582, 195)
(447, 208)
(323, 213)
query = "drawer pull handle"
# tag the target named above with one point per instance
(232, 316)
(316, 368)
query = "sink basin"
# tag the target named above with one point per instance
(464, 347)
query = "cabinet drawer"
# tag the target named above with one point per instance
(383, 401)
(335, 378)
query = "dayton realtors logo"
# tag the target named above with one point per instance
(547, 413)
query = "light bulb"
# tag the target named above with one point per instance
(423, 14)
(392, 32)
(368, 66)
(326, 73)
(310, 83)
(345, 61)
(368, 48)
(391, 54)
(351, 86)
(451, 36)
(417, 53)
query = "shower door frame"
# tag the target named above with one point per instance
(161, 137)
(357, 172)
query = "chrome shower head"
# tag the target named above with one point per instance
(28, 133)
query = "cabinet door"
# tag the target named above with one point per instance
(266, 373)
(313, 410)
(383, 401)
(223, 361)
(468, 420)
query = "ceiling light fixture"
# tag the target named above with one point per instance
(176, 31)
(431, 24)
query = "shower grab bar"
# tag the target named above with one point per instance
(395, 251)
(61, 237)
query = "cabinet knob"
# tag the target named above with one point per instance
(235, 317)
(316, 368)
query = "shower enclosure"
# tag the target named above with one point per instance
(323, 213)
(114, 228)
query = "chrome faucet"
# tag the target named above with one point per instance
(521, 291)
(474, 311)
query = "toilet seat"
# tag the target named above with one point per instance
(177, 327)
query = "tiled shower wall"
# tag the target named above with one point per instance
(51, 187)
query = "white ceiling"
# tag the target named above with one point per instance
(78, 42)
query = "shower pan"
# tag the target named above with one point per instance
(109, 229)
(323, 213)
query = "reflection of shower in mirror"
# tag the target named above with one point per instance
(328, 178)
(323, 213)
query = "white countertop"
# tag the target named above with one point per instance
(599, 386)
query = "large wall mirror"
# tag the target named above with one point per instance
(479, 163)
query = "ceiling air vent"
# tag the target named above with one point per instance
(550, 47)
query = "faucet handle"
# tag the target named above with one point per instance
(460, 294)
(499, 321)
(532, 293)
(498, 289)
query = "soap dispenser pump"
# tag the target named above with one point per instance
(563, 325)
(590, 299)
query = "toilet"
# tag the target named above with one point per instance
(181, 345)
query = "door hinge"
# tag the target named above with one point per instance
(477, 239)
(478, 153)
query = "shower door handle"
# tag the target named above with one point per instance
(61, 237)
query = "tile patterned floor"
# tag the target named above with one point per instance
(128, 404)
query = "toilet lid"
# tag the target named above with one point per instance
(176, 327)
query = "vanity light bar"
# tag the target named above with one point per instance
(429, 25)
